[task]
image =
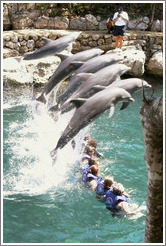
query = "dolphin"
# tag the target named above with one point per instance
(91, 66)
(68, 65)
(131, 85)
(52, 47)
(88, 110)
(103, 77)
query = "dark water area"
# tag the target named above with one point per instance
(49, 204)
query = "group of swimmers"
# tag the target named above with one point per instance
(107, 190)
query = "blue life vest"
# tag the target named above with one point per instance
(100, 189)
(86, 176)
(111, 199)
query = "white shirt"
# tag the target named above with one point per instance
(120, 21)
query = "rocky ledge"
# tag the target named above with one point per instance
(135, 53)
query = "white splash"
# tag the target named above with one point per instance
(31, 169)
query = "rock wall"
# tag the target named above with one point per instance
(23, 41)
(30, 15)
(140, 49)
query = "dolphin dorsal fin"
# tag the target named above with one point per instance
(84, 76)
(124, 105)
(78, 101)
(47, 40)
(77, 64)
(99, 87)
(62, 56)
(112, 109)
(69, 47)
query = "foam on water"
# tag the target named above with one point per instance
(31, 171)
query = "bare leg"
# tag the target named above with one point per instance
(117, 42)
(121, 41)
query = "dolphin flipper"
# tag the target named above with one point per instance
(42, 99)
(46, 40)
(99, 87)
(77, 64)
(78, 101)
(62, 56)
(112, 109)
(124, 105)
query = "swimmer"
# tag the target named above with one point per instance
(93, 143)
(85, 143)
(88, 154)
(91, 177)
(118, 203)
(103, 187)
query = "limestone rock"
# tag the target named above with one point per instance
(78, 24)
(10, 53)
(102, 25)
(155, 65)
(16, 70)
(91, 22)
(133, 57)
(156, 26)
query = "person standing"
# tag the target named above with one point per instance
(120, 19)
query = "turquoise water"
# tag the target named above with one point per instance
(48, 204)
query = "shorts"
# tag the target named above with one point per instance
(119, 30)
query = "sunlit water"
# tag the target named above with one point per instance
(49, 204)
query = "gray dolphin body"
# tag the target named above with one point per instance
(92, 66)
(91, 108)
(52, 47)
(131, 85)
(103, 77)
(68, 65)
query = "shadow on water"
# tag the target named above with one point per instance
(45, 204)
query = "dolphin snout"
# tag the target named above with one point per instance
(125, 70)
(131, 99)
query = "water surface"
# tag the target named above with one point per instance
(45, 204)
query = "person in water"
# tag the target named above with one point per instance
(91, 177)
(118, 203)
(115, 201)
(93, 143)
(103, 187)
(85, 143)
(89, 153)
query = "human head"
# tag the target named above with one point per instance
(93, 170)
(87, 137)
(120, 9)
(118, 189)
(93, 161)
(90, 150)
(108, 182)
(93, 143)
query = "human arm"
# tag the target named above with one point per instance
(124, 16)
(93, 184)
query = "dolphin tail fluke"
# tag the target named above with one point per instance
(41, 99)
(55, 108)
(53, 154)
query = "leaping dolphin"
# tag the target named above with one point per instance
(52, 47)
(88, 110)
(103, 77)
(92, 66)
(68, 65)
(131, 85)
